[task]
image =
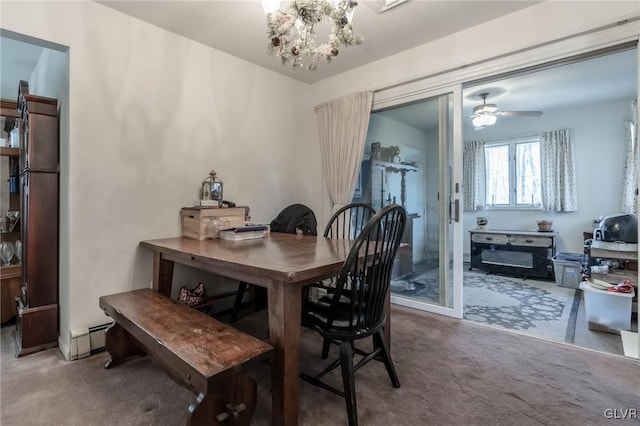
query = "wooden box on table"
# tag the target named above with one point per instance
(197, 221)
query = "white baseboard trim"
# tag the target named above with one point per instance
(79, 347)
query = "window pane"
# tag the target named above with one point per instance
(497, 174)
(528, 173)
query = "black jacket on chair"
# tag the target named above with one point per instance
(295, 216)
(292, 217)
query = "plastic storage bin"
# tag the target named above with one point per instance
(606, 310)
(567, 268)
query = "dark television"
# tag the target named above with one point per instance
(621, 227)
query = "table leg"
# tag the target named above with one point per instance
(284, 333)
(162, 274)
(120, 345)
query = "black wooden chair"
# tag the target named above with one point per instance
(355, 309)
(291, 220)
(346, 223)
(349, 221)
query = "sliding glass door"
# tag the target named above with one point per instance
(413, 158)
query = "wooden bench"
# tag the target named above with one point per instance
(199, 351)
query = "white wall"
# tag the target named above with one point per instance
(150, 113)
(599, 149)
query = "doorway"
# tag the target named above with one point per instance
(410, 159)
(45, 66)
(592, 96)
(610, 79)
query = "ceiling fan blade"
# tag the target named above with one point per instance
(520, 113)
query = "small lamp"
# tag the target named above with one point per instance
(212, 188)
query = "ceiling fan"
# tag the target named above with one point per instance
(486, 114)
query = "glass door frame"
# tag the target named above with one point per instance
(450, 205)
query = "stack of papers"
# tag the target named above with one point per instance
(243, 233)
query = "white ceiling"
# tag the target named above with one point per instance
(238, 28)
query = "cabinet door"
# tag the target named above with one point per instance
(40, 143)
(40, 238)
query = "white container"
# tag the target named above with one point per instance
(607, 311)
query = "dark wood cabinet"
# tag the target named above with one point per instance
(40, 216)
(37, 319)
(516, 253)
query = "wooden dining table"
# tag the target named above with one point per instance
(283, 264)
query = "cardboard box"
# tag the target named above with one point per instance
(200, 222)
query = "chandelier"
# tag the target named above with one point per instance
(292, 30)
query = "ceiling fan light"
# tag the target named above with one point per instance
(484, 120)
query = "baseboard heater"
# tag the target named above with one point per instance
(87, 341)
(97, 336)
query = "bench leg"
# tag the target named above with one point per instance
(120, 345)
(233, 403)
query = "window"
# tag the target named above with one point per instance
(513, 173)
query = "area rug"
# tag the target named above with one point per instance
(533, 306)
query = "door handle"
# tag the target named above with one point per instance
(456, 211)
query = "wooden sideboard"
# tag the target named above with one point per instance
(511, 252)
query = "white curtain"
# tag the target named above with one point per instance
(559, 186)
(474, 176)
(342, 125)
(630, 176)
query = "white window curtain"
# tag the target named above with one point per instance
(474, 176)
(630, 177)
(342, 125)
(559, 186)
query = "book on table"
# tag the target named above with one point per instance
(243, 232)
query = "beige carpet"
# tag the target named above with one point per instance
(452, 373)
